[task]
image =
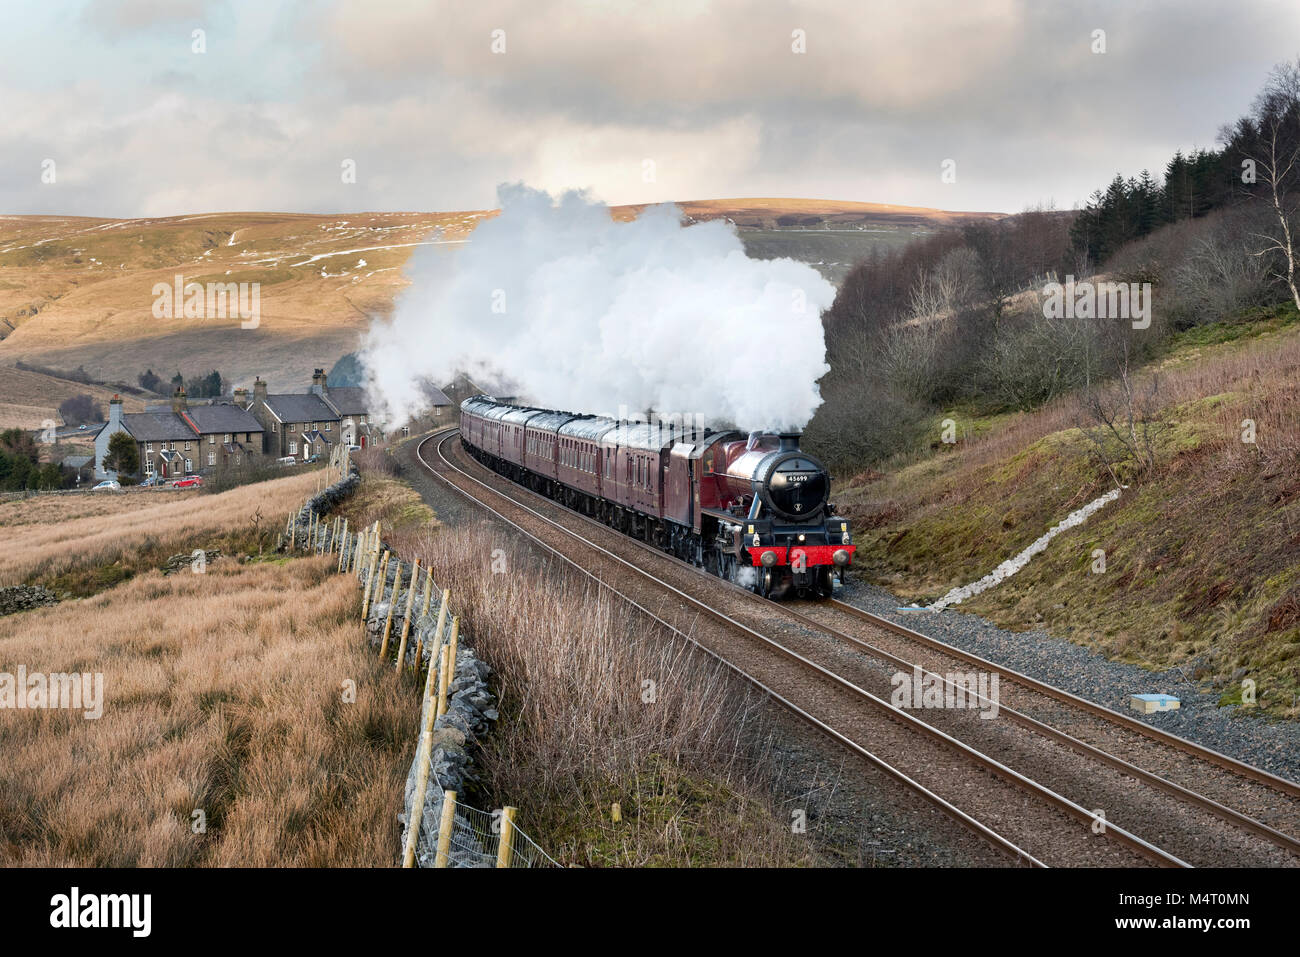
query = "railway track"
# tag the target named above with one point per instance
(935, 762)
(1225, 791)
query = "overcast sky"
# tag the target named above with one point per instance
(636, 101)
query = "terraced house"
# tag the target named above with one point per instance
(207, 439)
(299, 426)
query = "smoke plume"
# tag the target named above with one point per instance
(576, 311)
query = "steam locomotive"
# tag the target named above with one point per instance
(752, 509)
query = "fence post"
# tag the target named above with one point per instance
(452, 647)
(365, 596)
(442, 678)
(392, 603)
(444, 828)
(343, 547)
(424, 612)
(506, 846)
(416, 818)
(437, 640)
(406, 622)
(293, 532)
(381, 579)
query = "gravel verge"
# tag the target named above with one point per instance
(1271, 744)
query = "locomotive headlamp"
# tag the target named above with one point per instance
(847, 539)
(844, 526)
(841, 557)
(801, 538)
(768, 559)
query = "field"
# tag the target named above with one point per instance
(223, 692)
(81, 543)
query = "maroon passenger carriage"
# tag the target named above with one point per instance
(753, 509)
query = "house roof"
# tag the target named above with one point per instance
(156, 426)
(347, 400)
(222, 418)
(300, 408)
(77, 461)
(317, 436)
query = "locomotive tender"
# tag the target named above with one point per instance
(752, 509)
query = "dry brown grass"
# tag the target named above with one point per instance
(46, 537)
(690, 767)
(223, 692)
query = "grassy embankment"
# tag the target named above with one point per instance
(224, 693)
(1202, 552)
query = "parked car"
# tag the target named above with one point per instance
(354, 448)
(107, 486)
(82, 427)
(190, 481)
(286, 460)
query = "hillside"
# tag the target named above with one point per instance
(78, 291)
(29, 399)
(1202, 553)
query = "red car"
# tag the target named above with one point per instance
(190, 481)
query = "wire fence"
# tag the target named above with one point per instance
(481, 839)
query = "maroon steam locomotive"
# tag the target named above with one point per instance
(752, 509)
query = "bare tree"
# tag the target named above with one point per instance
(1125, 415)
(1277, 112)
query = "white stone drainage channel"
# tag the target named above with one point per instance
(1013, 565)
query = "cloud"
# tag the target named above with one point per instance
(586, 92)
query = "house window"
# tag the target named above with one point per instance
(148, 446)
(363, 420)
(293, 448)
(173, 446)
(227, 438)
(148, 467)
(327, 427)
(289, 427)
(189, 463)
(187, 446)
(212, 457)
(275, 427)
(212, 439)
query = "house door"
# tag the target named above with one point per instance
(363, 441)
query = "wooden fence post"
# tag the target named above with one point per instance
(444, 828)
(370, 580)
(343, 547)
(452, 647)
(421, 788)
(442, 677)
(406, 622)
(293, 532)
(437, 641)
(381, 579)
(392, 603)
(424, 612)
(506, 846)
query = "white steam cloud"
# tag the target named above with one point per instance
(579, 312)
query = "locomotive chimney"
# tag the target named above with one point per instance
(790, 441)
